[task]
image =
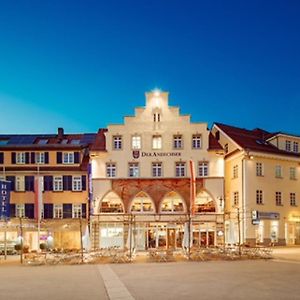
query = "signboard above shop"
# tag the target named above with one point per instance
(137, 154)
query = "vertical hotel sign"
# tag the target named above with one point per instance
(5, 199)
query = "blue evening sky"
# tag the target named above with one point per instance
(85, 64)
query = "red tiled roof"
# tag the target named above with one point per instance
(100, 141)
(213, 144)
(254, 140)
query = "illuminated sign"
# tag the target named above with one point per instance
(4, 199)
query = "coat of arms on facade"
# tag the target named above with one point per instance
(136, 153)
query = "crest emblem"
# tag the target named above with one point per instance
(136, 153)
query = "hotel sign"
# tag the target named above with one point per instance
(268, 215)
(4, 199)
(137, 154)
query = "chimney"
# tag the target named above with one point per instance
(60, 132)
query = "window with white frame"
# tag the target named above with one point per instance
(77, 211)
(259, 197)
(288, 145)
(235, 172)
(235, 198)
(117, 142)
(111, 170)
(292, 173)
(177, 141)
(203, 169)
(40, 157)
(156, 142)
(57, 183)
(259, 169)
(20, 183)
(296, 147)
(278, 198)
(68, 157)
(133, 169)
(57, 211)
(278, 171)
(157, 169)
(196, 141)
(20, 210)
(180, 169)
(76, 183)
(293, 199)
(20, 158)
(136, 142)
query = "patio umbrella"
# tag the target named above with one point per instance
(86, 239)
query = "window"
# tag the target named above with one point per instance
(235, 171)
(180, 169)
(68, 157)
(226, 148)
(111, 170)
(295, 147)
(3, 142)
(40, 157)
(134, 170)
(156, 117)
(117, 142)
(136, 142)
(172, 202)
(259, 169)
(288, 145)
(293, 173)
(157, 169)
(157, 142)
(203, 169)
(42, 142)
(20, 210)
(293, 199)
(142, 203)
(77, 211)
(20, 158)
(57, 183)
(236, 198)
(75, 142)
(20, 183)
(177, 142)
(57, 211)
(259, 197)
(278, 198)
(278, 171)
(76, 183)
(196, 141)
(64, 141)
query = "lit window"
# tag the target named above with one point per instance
(117, 142)
(111, 170)
(156, 142)
(20, 183)
(57, 211)
(20, 210)
(180, 169)
(196, 141)
(136, 142)
(172, 203)
(235, 171)
(20, 158)
(203, 169)
(278, 171)
(157, 169)
(293, 173)
(76, 183)
(142, 203)
(40, 157)
(68, 157)
(134, 170)
(288, 145)
(177, 142)
(278, 198)
(236, 198)
(57, 183)
(259, 169)
(259, 197)
(77, 211)
(293, 199)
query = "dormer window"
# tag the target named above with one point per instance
(75, 142)
(64, 141)
(42, 141)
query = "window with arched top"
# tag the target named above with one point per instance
(111, 203)
(142, 203)
(172, 202)
(204, 203)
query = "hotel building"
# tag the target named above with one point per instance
(141, 180)
(61, 162)
(262, 172)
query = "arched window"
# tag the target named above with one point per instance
(142, 203)
(204, 203)
(172, 202)
(111, 203)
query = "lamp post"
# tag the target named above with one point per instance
(21, 235)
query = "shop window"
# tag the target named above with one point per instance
(20, 210)
(204, 203)
(142, 203)
(111, 203)
(172, 203)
